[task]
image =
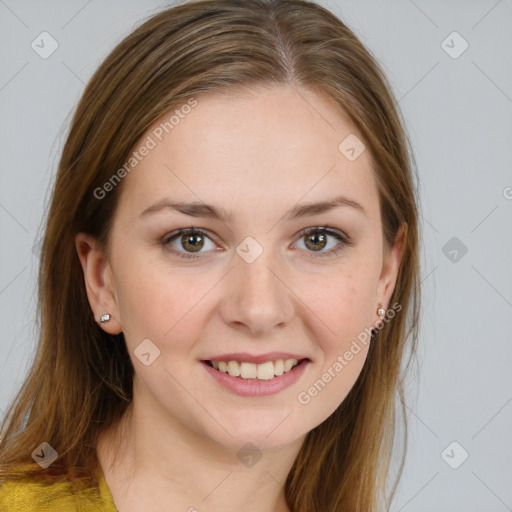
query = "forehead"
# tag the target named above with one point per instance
(252, 147)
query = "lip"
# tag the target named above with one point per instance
(245, 357)
(248, 387)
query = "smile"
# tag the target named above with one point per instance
(263, 371)
(256, 379)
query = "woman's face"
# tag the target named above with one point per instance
(251, 287)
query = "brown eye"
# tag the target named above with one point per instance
(192, 242)
(323, 241)
(316, 241)
(188, 243)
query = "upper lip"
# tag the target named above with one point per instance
(256, 359)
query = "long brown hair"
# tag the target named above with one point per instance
(80, 381)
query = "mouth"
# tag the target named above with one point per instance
(265, 371)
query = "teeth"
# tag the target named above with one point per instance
(233, 368)
(263, 371)
(247, 370)
(288, 364)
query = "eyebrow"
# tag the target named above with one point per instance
(197, 209)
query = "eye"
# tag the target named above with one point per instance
(186, 243)
(317, 239)
(190, 242)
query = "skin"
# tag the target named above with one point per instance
(256, 154)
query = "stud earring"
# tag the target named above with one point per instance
(381, 312)
(104, 318)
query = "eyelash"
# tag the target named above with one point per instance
(345, 241)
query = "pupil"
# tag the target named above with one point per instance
(317, 238)
(195, 246)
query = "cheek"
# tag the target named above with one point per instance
(160, 305)
(341, 318)
(343, 304)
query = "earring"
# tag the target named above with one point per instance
(104, 318)
(381, 312)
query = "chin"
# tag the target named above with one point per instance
(268, 435)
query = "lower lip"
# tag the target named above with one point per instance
(247, 387)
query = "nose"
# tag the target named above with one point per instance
(257, 298)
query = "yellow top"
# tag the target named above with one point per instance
(31, 496)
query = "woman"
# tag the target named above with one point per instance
(229, 276)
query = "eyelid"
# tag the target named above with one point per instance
(185, 231)
(325, 229)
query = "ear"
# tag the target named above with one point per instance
(99, 283)
(390, 268)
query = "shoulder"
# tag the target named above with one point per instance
(29, 495)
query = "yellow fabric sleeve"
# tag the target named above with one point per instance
(31, 496)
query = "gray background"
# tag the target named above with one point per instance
(458, 114)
